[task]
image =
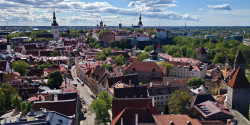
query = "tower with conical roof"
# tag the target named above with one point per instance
(238, 92)
(140, 23)
(240, 61)
(54, 26)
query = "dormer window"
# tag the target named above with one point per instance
(153, 69)
(133, 69)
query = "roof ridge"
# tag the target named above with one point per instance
(239, 80)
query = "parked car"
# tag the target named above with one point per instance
(84, 109)
(78, 81)
(92, 95)
(82, 84)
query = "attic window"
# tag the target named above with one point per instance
(134, 69)
(153, 69)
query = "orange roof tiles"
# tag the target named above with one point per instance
(176, 119)
(239, 80)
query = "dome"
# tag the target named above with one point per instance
(153, 52)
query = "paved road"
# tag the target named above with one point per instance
(85, 93)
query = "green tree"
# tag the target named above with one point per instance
(101, 57)
(178, 102)
(220, 58)
(148, 48)
(100, 107)
(139, 30)
(107, 66)
(107, 51)
(177, 55)
(112, 44)
(195, 82)
(16, 102)
(119, 60)
(54, 53)
(21, 67)
(143, 56)
(55, 80)
(123, 43)
(168, 67)
(8, 92)
(151, 32)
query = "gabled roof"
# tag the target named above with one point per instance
(131, 92)
(214, 110)
(239, 80)
(201, 51)
(140, 66)
(119, 104)
(128, 115)
(202, 98)
(240, 58)
(176, 119)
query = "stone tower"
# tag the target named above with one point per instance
(201, 54)
(238, 93)
(240, 62)
(54, 26)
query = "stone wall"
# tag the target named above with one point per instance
(240, 118)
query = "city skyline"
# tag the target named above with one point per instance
(154, 13)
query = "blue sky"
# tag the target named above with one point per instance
(113, 12)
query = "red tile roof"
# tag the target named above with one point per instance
(66, 107)
(214, 110)
(239, 80)
(128, 115)
(176, 119)
(119, 104)
(240, 58)
(108, 37)
(144, 67)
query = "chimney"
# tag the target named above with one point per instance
(153, 102)
(17, 119)
(121, 121)
(5, 121)
(55, 98)
(151, 84)
(136, 119)
(189, 123)
(171, 123)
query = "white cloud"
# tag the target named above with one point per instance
(75, 11)
(220, 7)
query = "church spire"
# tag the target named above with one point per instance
(54, 19)
(140, 18)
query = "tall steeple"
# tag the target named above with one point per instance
(54, 19)
(54, 26)
(140, 18)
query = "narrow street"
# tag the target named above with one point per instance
(85, 94)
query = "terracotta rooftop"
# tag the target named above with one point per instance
(239, 80)
(118, 105)
(176, 119)
(140, 66)
(128, 115)
(214, 110)
(240, 58)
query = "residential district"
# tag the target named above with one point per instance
(124, 76)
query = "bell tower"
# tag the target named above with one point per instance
(54, 26)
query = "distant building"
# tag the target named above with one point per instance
(101, 26)
(211, 37)
(140, 25)
(54, 25)
(234, 37)
(120, 25)
(161, 33)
